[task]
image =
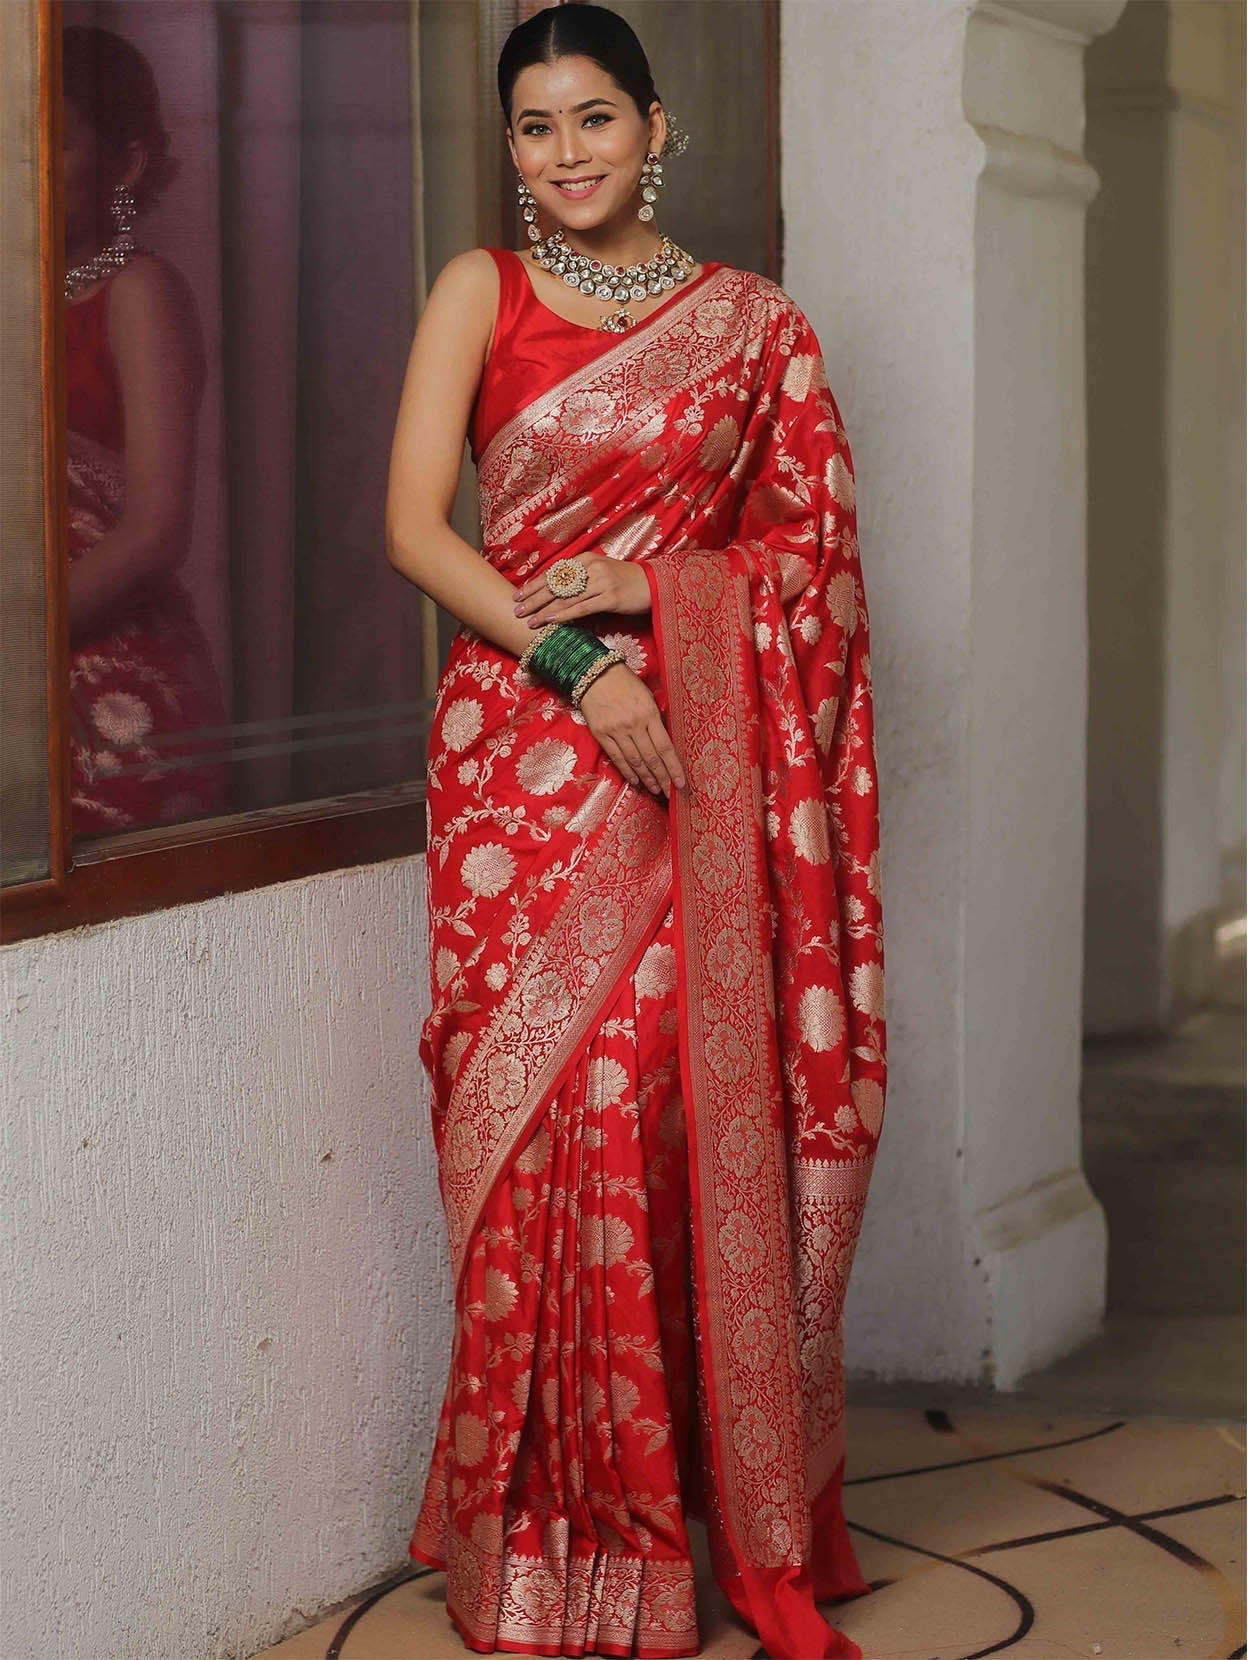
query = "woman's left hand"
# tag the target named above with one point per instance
(614, 585)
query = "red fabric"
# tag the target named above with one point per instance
(143, 682)
(647, 1012)
(92, 389)
(539, 348)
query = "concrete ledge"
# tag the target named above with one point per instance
(1043, 1255)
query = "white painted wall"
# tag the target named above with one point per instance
(933, 197)
(228, 1302)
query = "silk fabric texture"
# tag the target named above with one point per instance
(657, 1038)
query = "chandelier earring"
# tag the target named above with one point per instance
(528, 208)
(122, 209)
(651, 184)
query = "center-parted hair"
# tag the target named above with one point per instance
(583, 31)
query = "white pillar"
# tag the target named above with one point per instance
(1165, 290)
(934, 195)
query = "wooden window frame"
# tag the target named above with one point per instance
(148, 870)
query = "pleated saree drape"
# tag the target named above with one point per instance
(657, 1036)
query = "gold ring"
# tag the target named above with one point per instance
(567, 577)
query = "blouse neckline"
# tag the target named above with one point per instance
(708, 266)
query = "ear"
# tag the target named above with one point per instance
(511, 146)
(658, 128)
(136, 163)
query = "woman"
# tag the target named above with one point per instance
(656, 1044)
(142, 679)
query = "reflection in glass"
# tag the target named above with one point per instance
(301, 170)
(142, 677)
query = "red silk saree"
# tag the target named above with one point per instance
(657, 1037)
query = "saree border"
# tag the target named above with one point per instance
(605, 361)
(628, 864)
(738, 1163)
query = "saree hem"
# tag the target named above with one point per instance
(602, 1602)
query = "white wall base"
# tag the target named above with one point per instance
(1043, 1259)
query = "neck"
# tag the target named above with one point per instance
(615, 244)
(84, 241)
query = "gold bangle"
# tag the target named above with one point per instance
(539, 634)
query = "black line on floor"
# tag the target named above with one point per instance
(334, 1651)
(1026, 1612)
(1122, 1518)
(981, 1458)
(1099, 1527)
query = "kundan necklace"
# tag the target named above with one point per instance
(620, 283)
(111, 258)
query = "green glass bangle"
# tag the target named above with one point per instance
(562, 653)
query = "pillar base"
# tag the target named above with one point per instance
(1043, 1254)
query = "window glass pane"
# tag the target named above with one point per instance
(238, 639)
(24, 796)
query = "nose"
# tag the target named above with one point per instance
(571, 145)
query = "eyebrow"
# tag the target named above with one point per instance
(576, 108)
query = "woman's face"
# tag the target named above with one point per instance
(571, 122)
(92, 172)
(84, 187)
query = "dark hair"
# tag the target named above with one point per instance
(111, 84)
(583, 31)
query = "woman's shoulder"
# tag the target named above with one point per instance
(149, 291)
(470, 276)
(148, 277)
(466, 291)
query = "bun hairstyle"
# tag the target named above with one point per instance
(111, 85)
(577, 30)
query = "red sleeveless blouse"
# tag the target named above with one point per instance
(92, 388)
(534, 348)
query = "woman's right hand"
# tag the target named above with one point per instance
(620, 710)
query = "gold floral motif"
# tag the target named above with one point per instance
(866, 989)
(546, 766)
(462, 722)
(633, 536)
(841, 481)
(472, 1438)
(808, 828)
(720, 445)
(820, 1017)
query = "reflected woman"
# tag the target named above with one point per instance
(656, 1042)
(142, 677)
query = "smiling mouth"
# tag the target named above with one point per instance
(577, 187)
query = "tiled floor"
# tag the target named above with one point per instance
(981, 1532)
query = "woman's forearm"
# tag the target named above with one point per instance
(440, 563)
(111, 576)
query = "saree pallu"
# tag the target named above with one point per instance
(657, 1036)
